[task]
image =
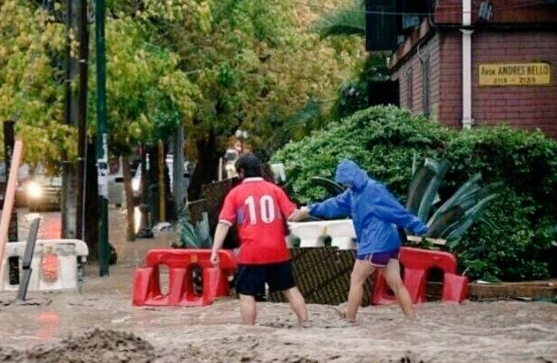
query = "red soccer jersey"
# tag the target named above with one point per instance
(260, 210)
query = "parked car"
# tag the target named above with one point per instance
(115, 182)
(116, 192)
(40, 191)
(136, 179)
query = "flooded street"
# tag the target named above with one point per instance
(101, 325)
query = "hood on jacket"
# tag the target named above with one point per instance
(349, 173)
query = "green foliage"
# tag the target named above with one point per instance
(347, 21)
(514, 239)
(31, 75)
(213, 66)
(255, 64)
(458, 213)
(519, 245)
(147, 95)
(381, 139)
(516, 249)
(353, 93)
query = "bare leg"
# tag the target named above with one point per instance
(297, 303)
(392, 276)
(361, 271)
(247, 309)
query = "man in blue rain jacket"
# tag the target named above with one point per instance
(375, 214)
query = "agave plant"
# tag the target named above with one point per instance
(454, 216)
(458, 213)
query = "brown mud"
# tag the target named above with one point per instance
(100, 325)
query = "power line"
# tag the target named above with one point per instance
(402, 13)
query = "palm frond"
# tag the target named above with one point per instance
(348, 21)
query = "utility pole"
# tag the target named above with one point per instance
(82, 118)
(102, 144)
(69, 169)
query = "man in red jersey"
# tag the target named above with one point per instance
(260, 210)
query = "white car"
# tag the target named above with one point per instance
(136, 179)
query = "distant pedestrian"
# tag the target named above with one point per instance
(260, 209)
(374, 212)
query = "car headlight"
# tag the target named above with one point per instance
(34, 190)
(136, 184)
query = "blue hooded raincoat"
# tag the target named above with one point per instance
(373, 209)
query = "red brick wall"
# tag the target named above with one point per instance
(429, 49)
(504, 11)
(450, 72)
(529, 107)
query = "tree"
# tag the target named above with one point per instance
(353, 93)
(250, 59)
(32, 45)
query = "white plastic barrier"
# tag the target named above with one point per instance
(341, 231)
(65, 272)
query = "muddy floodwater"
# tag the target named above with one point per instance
(101, 325)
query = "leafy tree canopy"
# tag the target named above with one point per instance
(32, 45)
(250, 59)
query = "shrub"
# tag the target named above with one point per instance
(383, 140)
(520, 245)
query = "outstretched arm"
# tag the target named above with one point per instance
(386, 207)
(335, 207)
(299, 214)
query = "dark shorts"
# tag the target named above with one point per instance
(251, 279)
(379, 259)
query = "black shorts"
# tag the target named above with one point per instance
(251, 279)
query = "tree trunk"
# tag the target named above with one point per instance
(207, 164)
(129, 197)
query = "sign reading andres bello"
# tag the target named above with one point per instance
(514, 74)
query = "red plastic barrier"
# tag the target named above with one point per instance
(417, 262)
(180, 263)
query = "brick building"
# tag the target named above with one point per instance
(478, 63)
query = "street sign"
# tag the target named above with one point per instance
(514, 74)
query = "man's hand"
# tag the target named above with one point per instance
(220, 235)
(214, 259)
(300, 215)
